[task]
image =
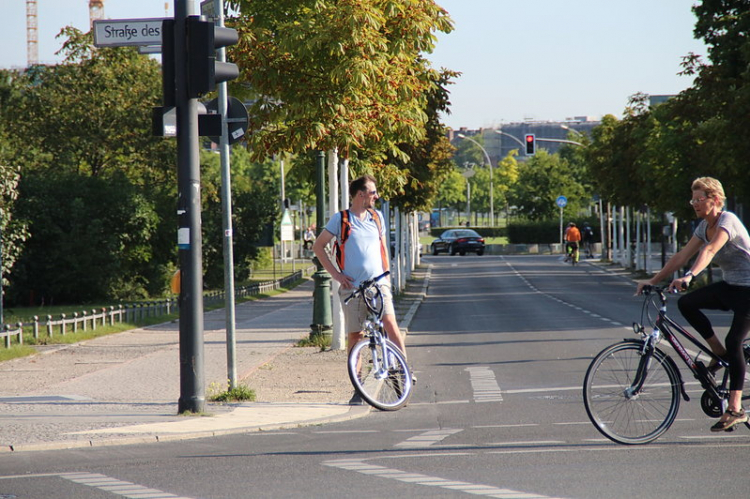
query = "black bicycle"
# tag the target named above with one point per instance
(632, 389)
(376, 366)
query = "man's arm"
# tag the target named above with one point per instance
(319, 248)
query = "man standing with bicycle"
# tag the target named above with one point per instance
(719, 237)
(361, 254)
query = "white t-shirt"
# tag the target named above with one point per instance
(734, 257)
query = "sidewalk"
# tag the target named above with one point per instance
(123, 388)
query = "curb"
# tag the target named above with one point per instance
(354, 412)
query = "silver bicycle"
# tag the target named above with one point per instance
(376, 366)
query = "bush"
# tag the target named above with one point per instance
(545, 231)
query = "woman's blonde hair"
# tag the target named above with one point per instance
(711, 187)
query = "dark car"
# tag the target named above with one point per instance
(458, 241)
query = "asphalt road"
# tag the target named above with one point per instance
(500, 347)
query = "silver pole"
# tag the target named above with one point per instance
(226, 210)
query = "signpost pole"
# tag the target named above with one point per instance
(226, 211)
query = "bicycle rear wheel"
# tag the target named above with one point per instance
(618, 411)
(388, 387)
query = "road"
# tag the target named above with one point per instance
(500, 347)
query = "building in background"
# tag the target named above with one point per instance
(499, 145)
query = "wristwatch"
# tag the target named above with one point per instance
(689, 273)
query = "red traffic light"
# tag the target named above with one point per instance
(530, 144)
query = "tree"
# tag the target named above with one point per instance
(541, 180)
(452, 192)
(347, 75)
(90, 239)
(255, 189)
(430, 159)
(91, 114)
(13, 231)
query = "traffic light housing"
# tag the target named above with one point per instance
(203, 70)
(530, 144)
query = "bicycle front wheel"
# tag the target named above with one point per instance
(384, 385)
(620, 410)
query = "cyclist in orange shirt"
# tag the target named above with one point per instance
(572, 238)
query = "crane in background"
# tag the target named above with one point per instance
(96, 11)
(32, 41)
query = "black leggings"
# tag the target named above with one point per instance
(722, 296)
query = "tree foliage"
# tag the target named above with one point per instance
(651, 155)
(541, 180)
(347, 75)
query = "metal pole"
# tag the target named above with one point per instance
(489, 165)
(226, 211)
(322, 320)
(190, 244)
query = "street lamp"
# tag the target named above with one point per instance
(489, 165)
(566, 127)
(500, 132)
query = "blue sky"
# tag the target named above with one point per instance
(519, 59)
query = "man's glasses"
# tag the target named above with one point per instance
(695, 201)
(371, 193)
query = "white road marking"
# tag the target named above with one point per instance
(561, 301)
(484, 384)
(360, 466)
(118, 487)
(428, 438)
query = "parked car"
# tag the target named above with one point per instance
(458, 241)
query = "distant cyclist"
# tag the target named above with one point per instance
(587, 234)
(572, 238)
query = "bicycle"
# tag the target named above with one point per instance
(376, 366)
(632, 389)
(573, 254)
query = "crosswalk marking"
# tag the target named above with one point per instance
(427, 438)
(360, 466)
(484, 384)
(119, 487)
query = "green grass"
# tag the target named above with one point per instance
(237, 394)
(427, 240)
(16, 352)
(318, 340)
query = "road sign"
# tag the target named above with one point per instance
(124, 32)
(287, 227)
(562, 201)
(237, 118)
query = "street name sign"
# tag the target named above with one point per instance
(124, 32)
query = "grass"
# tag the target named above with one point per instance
(16, 352)
(321, 341)
(239, 393)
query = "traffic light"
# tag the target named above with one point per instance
(530, 144)
(203, 70)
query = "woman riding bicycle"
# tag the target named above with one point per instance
(720, 237)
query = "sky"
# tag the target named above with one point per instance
(544, 60)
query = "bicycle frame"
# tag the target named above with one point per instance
(373, 324)
(665, 327)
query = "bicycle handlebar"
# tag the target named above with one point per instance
(364, 285)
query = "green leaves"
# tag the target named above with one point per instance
(346, 75)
